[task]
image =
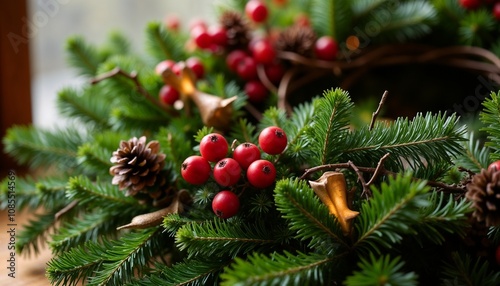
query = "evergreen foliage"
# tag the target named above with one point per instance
(406, 177)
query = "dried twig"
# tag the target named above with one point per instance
(133, 76)
(380, 104)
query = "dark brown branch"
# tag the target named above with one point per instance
(378, 169)
(366, 189)
(133, 76)
(380, 104)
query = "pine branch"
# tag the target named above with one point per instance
(244, 131)
(307, 216)
(116, 44)
(475, 27)
(163, 44)
(34, 233)
(85, 106)
(331, 17)
(280, 269)
(175, 142)
(464, 270)
(223, 238)
(475, 157)
(82, 56)
(94, 158)
(330, 126)
(383, 270)
(420, 143)
(490, 116)
(273, 117)
(43, 148)
(390, 213)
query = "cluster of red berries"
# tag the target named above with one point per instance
(227, 171)
(169, 95)
(494, 5)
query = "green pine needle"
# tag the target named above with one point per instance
(476, 155)
(162, 44)
(279, 269)
(465, 270)
(331, 17)
(82, 56)
(383, 271)
(490, 116)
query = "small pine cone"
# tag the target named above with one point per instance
(237, 30)
(298, 39)
(137, 165)
(484, 192)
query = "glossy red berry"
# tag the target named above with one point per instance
(201, 37)
(218, 35)
(326, 48)
(261, 174)
(168, 95)
(256, 11)
(195, 170)
(225, 204)
(256, 91)
(496, 11)
(247, 68)
(196, 66)
(272, 140)
(494, 166)
(213, 147)
(497, 255)
(263, 52)
(274, 72)
(245, 154)
(470, 4)
(227, 172)
(163, 65)
(234, 58)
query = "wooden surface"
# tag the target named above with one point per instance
(28, 270)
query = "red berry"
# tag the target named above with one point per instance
(272, 140)
(218, 35)
(172, 23)
(470, 4)
(168, 95)
(497, 255)
(163, 65)
(495, 166)
(234, 58)
(274, 72)
(302, 20)
(196, 66)
(256, 91)
(197, 22)
(326, 48)
(256, 11)
(245, 154)
(247, 68)
(227, 172)
(195, 170)
(213, 147)
(496, 11)
(263, 52)
(201, 37)
(225, 204)
(261, 174)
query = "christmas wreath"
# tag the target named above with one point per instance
(216, 160)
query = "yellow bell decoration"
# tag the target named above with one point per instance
(331, 188)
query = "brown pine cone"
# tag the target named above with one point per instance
(237, 30)
(298, 39)
(137, 165)
(484, 192)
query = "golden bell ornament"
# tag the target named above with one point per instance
(331, 188)
(215, 111)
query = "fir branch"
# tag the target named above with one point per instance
(127, 257)
(77, 264)
(44, 148)
(475, 157)
(280, 269)
(420, 143)
(383, 270)
(223, 238)
(94, 158)
(273, 117)
(100, 194)
(163, 44)
(84, 106)
(475, 27)
(442, 216)
(330, 125)
(331, 17)
(390, 213)
(116, 44)
(175, 143)
(490, 117)
(244, 131)
(192, 272)
(465, 270)
(306, 215)
(82, 56)
(34, 233)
